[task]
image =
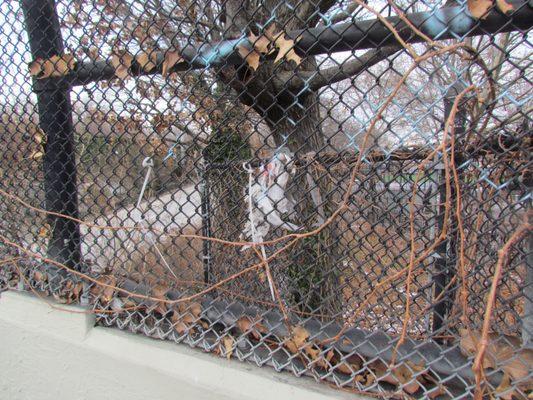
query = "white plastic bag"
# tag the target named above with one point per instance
(266, 198)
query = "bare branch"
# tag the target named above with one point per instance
(344, 14)
(318, 79)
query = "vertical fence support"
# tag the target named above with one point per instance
(206, 221)
(447, 250)
(55, 119)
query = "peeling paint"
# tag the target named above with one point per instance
(456, 20)
(217, 54)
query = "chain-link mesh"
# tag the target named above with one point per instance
(337, 189)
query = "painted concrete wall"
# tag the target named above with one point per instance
(50, 354)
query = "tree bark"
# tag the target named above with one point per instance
(305, 275)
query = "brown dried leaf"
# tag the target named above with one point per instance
(297, 339)
(228, 345)
(105, 293)
(171, 59)
(36, 67)
(195, 309)
(504, 6)
(108, 292)
(122, 63)
(479, 8)
(245, 324)
(145, 61)
(160, 292)
(76, 291)
(322, 361)
(504, 386)
(300, 335)
(286, 49)
(189, 312)
(399, 375)
(344, 368)
(519, 365)
(269, 33)
(262, 43)
(500, 351)
(405, 376)
(436, 392)
(36, 156)
(54, 66)
(469, 344)
(251, 57)
(44, 231)
(180, 327)
(39, 276)
(188, 318)
(39, 137)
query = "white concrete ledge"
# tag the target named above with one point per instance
(50, 354)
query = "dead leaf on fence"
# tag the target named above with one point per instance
(54, 66)
(182, 323)
(469, 345)
(44, 231)
(37, 155)
(397, 375)
(520, 365)
(195, 309)
(108, 292)
(105, 293)
(503, 352)
(171, 59)
(180, 327)
(344, 368)
(228, 345)
(245, 324)
(297, 339)
(189, 312)
(504, 6)
(250, 56)
(479, 8)
(122, 63)
(40, 139)
(349, 364)
(404, 373)
(437, 391)
(39, 276)
(286, 49)
(314, 354)
(145, 61)
(159, 292)
(502, 391)
(261, 43)
(325, 361)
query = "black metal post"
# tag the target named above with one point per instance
(206, 223)
(447, 250)
(55, 119)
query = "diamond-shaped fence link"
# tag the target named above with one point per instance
(331, 188)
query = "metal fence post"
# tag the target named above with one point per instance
(55, 119)
(447, 249)
(206, 221)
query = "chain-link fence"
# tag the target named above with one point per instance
(340, 189)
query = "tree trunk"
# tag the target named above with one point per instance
(306, 274)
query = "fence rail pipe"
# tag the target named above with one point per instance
(439, 24)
